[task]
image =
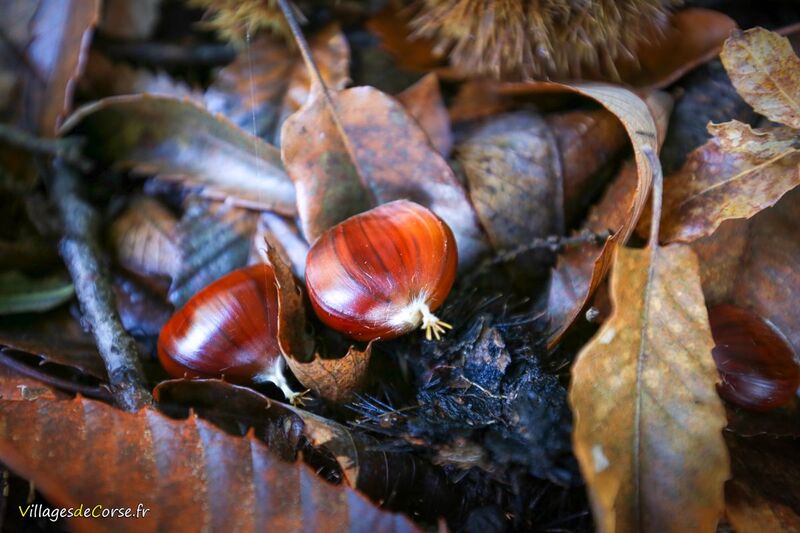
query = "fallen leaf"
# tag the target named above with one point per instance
(513, 173)
(753, 264)
(59, 38)
(22, 294)
(369, 151)
(587, 142)
(180, 141)
(424, 103)
(55, 337)
(763, 494)
(412, 53)
(145, 238)
(130, 19)
(715, 185)
(760, 144)
(477, 99)
(268, 80)
(766, 73)
(691, 37)
(648, 422)
(637, 119)
(190, 475)
(214, 239)
(287, 239)
(333, 378)
(15, 386)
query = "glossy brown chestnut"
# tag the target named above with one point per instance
(382, 273)
(228, 329)
(755, 362)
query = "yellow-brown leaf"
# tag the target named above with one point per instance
(766, 73)
(648, 421)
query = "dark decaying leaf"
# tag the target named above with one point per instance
(180, 141)
(145, 238)
(396, 480)
(130, 19)
(763, 494)
(424, 103)
(333, 378)
(22, 294)
(368, 150)
(214, 239)
(190, 475)
(54, 336)
(268, 81)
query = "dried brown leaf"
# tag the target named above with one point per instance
(715, 185)
(637, 119)
(692, 37)
(367, 150)
(268, 80)
(191, 475)
(753, 264)
(424, 103)
(334, 379)
(180, 141)
(145, 238)
(766, 73)
(648, 422)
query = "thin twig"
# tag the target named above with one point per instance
(170, 55)
(68, 149)
(81, 252)
(101, 393)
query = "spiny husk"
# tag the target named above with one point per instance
(539, 38)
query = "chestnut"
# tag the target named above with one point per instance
(755, 362)
(229, 329)
(382, 273)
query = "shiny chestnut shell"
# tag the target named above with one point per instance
(228, 328)
(755, 362)
(381, 273)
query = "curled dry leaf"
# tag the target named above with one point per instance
(734, 175)
(268, 80)
(145, 238)
(180, 141)
(424, 103)
(648, 422)
(766, 73)
(587, 141)
(191, 475)
(367, 150)
(284, 235)
(334, 379)
(638, 122)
